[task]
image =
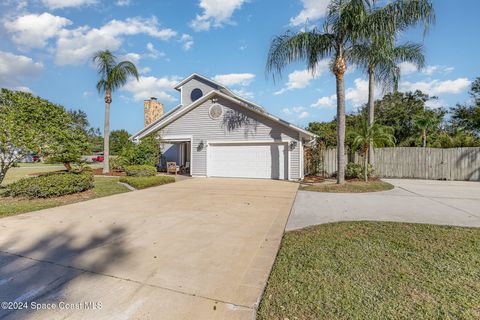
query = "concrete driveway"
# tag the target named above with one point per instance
(196, 249)
(418, 201)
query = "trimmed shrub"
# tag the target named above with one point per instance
(355, 171)
(117, 163)
(140, 171)
(51, 185)
(146, 182)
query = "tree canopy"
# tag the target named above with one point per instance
(32, 125)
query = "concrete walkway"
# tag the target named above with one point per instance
(195, 249)
(419, 201)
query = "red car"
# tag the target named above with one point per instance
(98, 158)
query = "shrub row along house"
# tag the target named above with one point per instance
(220, 134)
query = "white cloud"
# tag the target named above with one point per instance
(33, 30)
(244, 93)
(147, 87)
(325, 102)
(312, 11)
(132, 57)
(13, 68)
(436, 87)
(145, 70)
(303, 115)
(299, 112)
(76, 46)
(215, 14)
(430, 70)
(359, 94)
(123, 3)
(232, 79)
(154, 53)
(187, 41)
(407, 68)
(59, 4)
(300, 79)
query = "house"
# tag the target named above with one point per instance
(220, 134)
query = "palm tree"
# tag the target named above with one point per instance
(379, 57)
(426, 122)
(371, 135)
(113, 75)
(343, 26)
(347, 22)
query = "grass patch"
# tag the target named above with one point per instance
(375, 270)
(102, 187)
(146, 182)
(14, 174)
(38, 164)
(353, 186)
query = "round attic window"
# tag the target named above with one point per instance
(215, 111)
(196, 94)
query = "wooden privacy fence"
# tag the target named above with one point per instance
(406, 162)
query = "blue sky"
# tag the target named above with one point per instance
(46, 45)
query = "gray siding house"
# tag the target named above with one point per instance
(216, 133)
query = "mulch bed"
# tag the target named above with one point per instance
(313, 179)
(113, 173)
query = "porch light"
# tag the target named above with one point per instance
(200, 146)
(293, 145)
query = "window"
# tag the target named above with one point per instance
(196, 94)
(215, 111)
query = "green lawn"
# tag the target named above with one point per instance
(37, 164)
(147, 182)
(15, 174)
(104, 186)
(355, 186)
(375, 270)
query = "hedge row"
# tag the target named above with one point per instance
(50, 185)
(146, 182)
(140, 171)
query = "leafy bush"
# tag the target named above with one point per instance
(117, 163)
(146, 182)
(355, 171)
(50, 185)
(140, 171)
(147, 152)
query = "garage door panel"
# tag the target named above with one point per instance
(268, 161)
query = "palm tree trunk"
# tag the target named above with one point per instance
(106, 133)
(339, 71)
(371, 109)
(365, 163)
(424, 137)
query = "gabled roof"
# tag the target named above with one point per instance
(181, 110)
(199, 76)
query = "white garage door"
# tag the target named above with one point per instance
(268, 161)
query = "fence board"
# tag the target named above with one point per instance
(417, 163)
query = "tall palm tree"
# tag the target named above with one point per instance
(426, 122)
(371, 135)
(113, 75)
(347, 22)
(379, 59)
(377, 54)
(343, 26)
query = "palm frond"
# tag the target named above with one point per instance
(407, 13)
(310, 46)
(120, 74)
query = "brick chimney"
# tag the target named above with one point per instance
(152, 110)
